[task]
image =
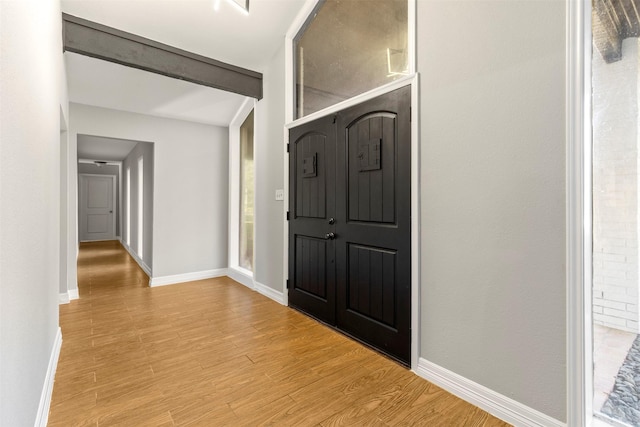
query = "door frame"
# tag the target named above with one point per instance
(81, 178)
(413, 81)
(579, 345)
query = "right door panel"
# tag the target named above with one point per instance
(373, 223)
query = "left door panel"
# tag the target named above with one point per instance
(312, 163)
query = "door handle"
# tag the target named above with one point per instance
(332, 221)
(330, 236)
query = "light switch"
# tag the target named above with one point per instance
(279, 194)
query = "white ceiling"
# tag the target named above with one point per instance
(106, 84)
(193, 25)
(99, 148)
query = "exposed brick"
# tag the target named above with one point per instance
(610, 242)
(609, 321)
(621, 266)
(615, 190)
(623, 314)
(622, 282)
(610, 304)
(620, 297)
(613, 258)
(614, 274)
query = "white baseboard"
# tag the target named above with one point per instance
(270, 293)
(63, 298)
(494, 403)
(137, 259)
(187, 277)
(45, 398)
(240, 277)
(70, 295)
(247, 280)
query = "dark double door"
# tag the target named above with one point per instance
(350, 224)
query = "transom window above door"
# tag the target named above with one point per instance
(348, 47)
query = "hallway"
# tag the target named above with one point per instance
(213, 352)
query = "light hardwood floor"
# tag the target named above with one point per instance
(213, 352)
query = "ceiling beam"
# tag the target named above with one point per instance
(100, 41)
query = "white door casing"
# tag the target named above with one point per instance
(97, 201)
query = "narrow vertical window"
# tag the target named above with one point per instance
(245, 258)
(140, 206)
(128, 224)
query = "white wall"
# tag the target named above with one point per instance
(492, 119)
(32, 92)
(270, 152)
(190, 184)
(615, 189)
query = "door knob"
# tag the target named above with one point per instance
(332, 221)
(330, 236)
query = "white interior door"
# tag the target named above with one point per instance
(97, 201)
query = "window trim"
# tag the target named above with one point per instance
(240, 274)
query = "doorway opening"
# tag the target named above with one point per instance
(129, 164)
(350, 222)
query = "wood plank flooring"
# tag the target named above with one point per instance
(214, 353)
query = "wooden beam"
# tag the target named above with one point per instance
(606, 31)
(612, 22)
(627, 14)
(103, 42)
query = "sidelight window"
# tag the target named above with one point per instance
(140, 206)
(128, 222)
(245, 258)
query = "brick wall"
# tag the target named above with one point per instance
(615, 189)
